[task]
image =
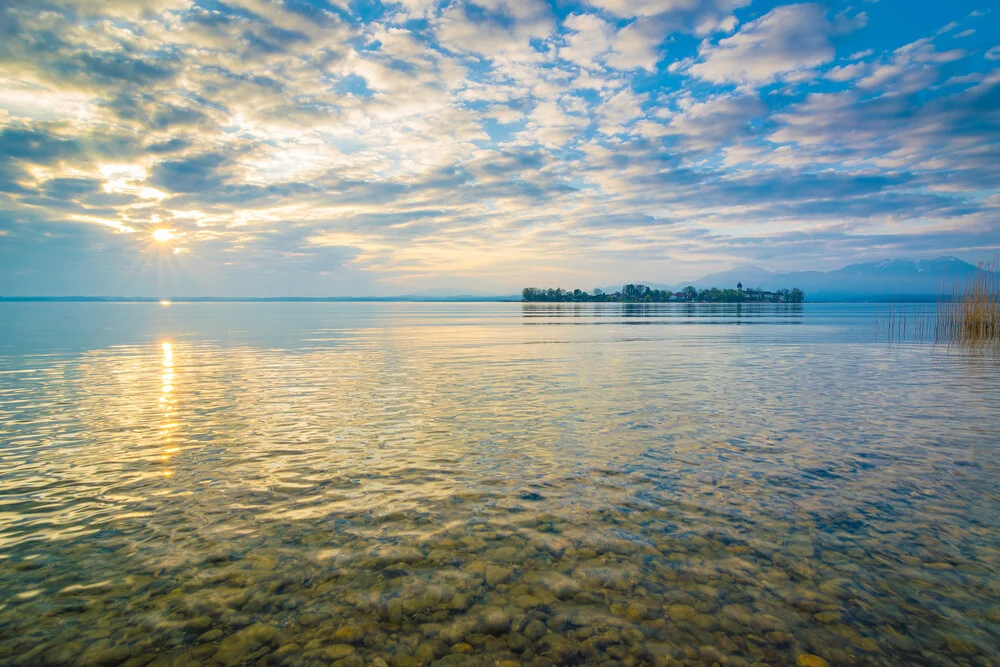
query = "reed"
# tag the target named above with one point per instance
(969, 316)
(904, 323)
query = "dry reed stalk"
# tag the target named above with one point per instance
(901, 322)
(970, 318)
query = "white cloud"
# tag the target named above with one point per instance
(911, 68)
(948, 28)
(619, 110)
(417, 9)
(588, 40)
(708, 24)
(499, 39)
(635, 46)
(705, 124)
(632, 8)
(592, 43)
(502, 113)
(846, 72)
(789, 38)
(742, 154)
(701, 17)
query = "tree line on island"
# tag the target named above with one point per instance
(642, 294)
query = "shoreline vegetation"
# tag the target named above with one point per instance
(967, 315)
(642, 294)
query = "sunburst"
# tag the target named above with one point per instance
(162, 235)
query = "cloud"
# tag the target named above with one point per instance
(911, 68)
(636, 46)
(846, 72)
(619, 110)
(633, 8)
(413, 143)
(494, 28)
(693, 11)
(588, 40)
(35, 146)
(417, 9)
(948, 28)
(890, 132)
(787, 39)
(706, 124)
(193, 174)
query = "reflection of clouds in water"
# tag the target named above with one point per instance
(432, 413)
(382, 460)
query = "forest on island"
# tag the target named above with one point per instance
(642, 294)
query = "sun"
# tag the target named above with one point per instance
(162, 235)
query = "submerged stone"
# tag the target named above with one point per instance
(680, 612)
(241, 646)
(495, 621)
(349, 634)
(337, 651)
(865, 644)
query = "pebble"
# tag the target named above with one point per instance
(286, 651)
(780, 638)
(349, 634)
(681, 612)
(241, 646)
(495, 621)
(512, 596)
(496, 575)
(828, 617)
(337, 651)
(959, 646)
(505, 554)
(527, 601)
(104, 653)
(865, 644)
(535, 630)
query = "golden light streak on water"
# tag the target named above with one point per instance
(168, 424)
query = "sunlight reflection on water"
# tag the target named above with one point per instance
(319, 482)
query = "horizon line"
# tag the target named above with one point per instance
(465, 298)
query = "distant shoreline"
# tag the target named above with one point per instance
(249, 299)
(886, 298)
(639, 293)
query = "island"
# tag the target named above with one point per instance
(642, 294)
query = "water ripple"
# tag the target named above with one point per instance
(399, 482)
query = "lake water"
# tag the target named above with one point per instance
(408, 483)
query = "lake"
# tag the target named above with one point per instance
(492, 483)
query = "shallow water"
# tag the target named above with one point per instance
(472, 483)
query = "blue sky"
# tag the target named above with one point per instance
(306, 147)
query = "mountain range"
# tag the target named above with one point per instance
(891, 278)
(895, 279)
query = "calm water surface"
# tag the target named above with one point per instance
(405, 484)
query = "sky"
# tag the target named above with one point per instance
(331, 147)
